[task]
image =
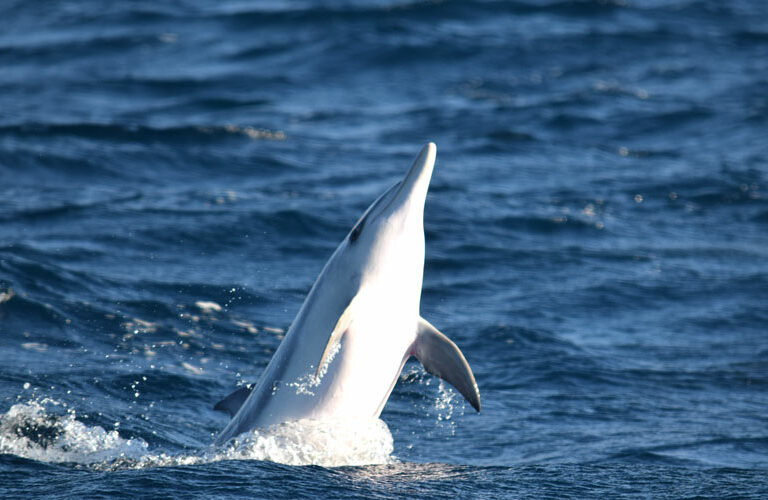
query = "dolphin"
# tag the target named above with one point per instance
(358, 325)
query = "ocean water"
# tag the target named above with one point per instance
(174, 175)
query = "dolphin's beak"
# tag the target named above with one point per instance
(413, 188)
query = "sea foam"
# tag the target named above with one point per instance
(38, 430)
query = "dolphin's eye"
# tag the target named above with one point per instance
(357, 230)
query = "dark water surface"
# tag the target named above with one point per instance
(174, 175)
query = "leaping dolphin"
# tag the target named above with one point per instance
(358, 325)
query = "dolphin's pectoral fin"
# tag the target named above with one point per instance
(341, 327)
(234, 401)
(440, 356)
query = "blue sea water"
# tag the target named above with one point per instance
(173, 176)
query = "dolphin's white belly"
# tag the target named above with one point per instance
(363, 372)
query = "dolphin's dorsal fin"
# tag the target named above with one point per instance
(341, 327)
(442, 358)
(234, 401)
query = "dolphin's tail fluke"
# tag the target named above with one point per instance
(440, 357)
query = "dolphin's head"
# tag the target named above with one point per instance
(388, 240)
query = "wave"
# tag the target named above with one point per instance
(717, 452)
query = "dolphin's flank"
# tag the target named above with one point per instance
(358, 325)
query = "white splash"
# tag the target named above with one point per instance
(330, 443)
(445, 404)
(29, 430)
(37, 430)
